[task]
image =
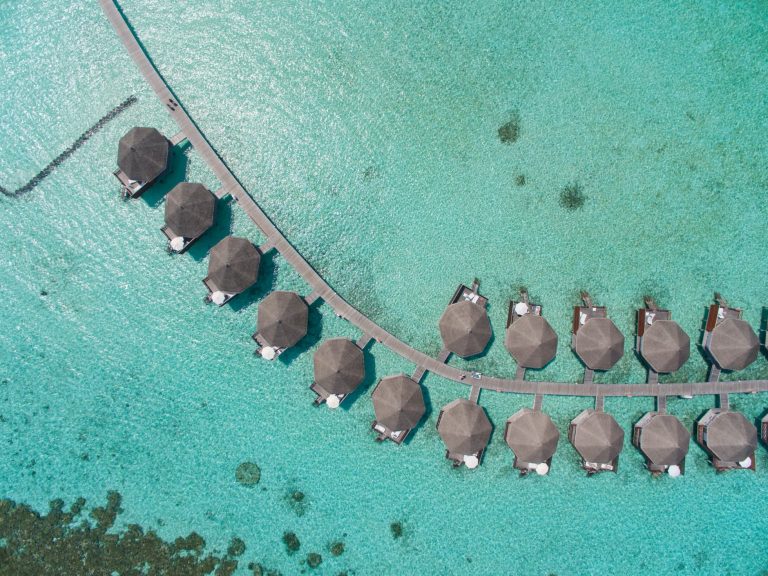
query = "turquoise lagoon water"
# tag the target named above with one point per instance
(368, 131)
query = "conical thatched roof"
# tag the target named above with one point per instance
(464, 427)
(465, 328)
(664, 440)
(599, 343)
(665, 346)
(339, 366)
(233, 264)
(143, 154)
(189, 209)
(598, 438)
(731, 437)
(733, 344)
(282, 318)
(398, 402)
(532, 436)
(531, 341)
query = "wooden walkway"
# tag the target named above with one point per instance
(321, 289)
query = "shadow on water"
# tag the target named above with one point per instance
(367, 383)
(697, 337)
(222, 227)
(264, 285)
(763, 330)
(314, 334)
(424, 419)
(178, 164)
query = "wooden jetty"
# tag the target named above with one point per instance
(274, 238)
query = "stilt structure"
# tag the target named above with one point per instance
(281, 322)
(398, 403)
(465, 430)
(729, 342)
(464, 326)
(729, 439)
(142, 157)
(233, 267)
(533, 438)
(660, 342)
(529, 338)
(339, 369)
(598, 439)
(595, 338)
(189, 211)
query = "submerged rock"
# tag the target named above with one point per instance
(291, 542)
(236, 547)
(572, 196)
(248, 474)
(397, 529)
(337, 548)
(509, 132)
(314, 559)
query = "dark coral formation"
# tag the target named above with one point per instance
(62, 543)
(509, 132)
(572, 196)
(314, 560)
(520, 180)
(248, 474)
(298, 502)
(397, 529)
(291, 542)
(337, 548)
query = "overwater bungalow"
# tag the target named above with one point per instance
(189, 211)
(398, 403)
(465, 430)
(533, 438)
(598, 439)
(233, 267)
(729, 439)
(664, 441)
(464, 326)
(595, 339)
(729, 342)
(142, 157)
(281, 322)
(660, 342)
(529, 338)
(339, 370)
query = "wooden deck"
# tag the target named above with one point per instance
(231, 186)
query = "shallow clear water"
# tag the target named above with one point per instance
(369, 133)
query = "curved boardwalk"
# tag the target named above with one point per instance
(321, 289)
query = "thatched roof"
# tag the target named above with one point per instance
(282, 318)
(598, 438)
(233, 264)
(464, 427)
(733, 344)
(531, 341)
(398, 402)
(664, 440)
(665, 346)
(731, 437)
(143, 154)
(189, 209)
(599, 343)
(339, 366)
(465, 328)
(532, 436)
